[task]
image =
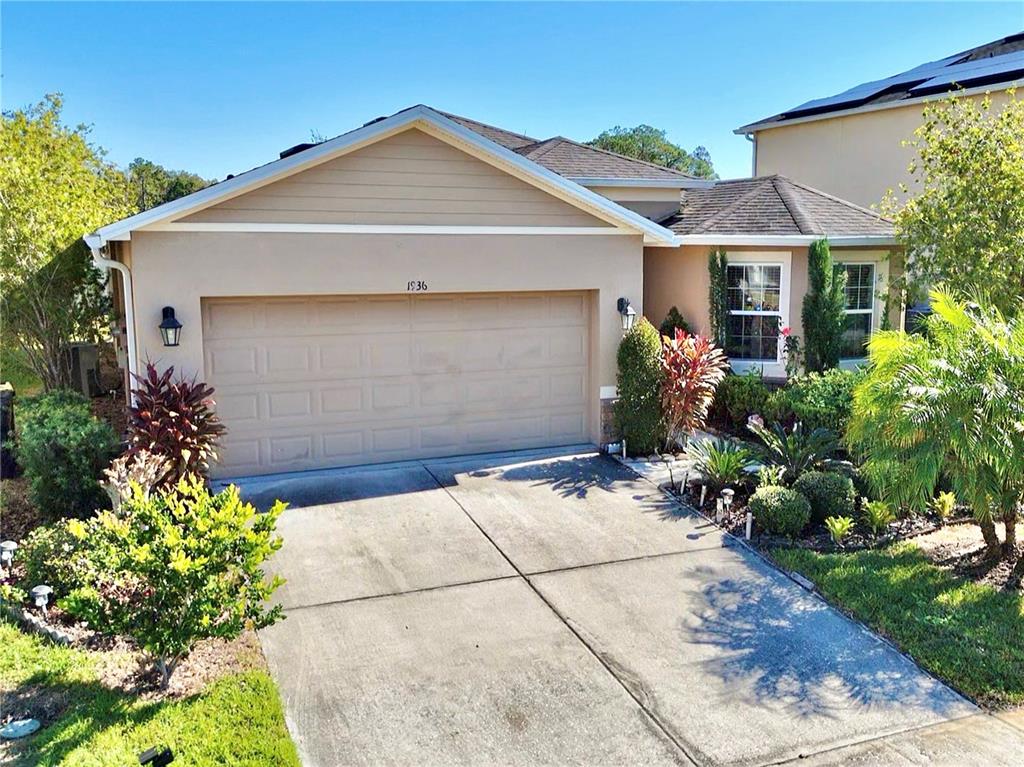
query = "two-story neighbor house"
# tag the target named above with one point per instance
(430, 285)
(850, 144)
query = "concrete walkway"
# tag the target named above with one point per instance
(530, 610)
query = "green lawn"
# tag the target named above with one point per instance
(236, 721)
(968, 634)
(14, 370)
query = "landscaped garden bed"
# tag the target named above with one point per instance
(895, 491)
(150, 586)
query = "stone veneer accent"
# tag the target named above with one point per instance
(608, 431)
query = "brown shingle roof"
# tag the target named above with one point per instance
(574, 160)
(773, 205)
(507, 139)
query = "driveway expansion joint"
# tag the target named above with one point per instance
(666, 731)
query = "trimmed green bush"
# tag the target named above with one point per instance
(824, 309)
(821, 400)
(740, 396)
(830, 494)
(638, 413)
(780, 511)
(672, 321)
(51, 554)
(63, 449)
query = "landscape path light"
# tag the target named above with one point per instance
(7, 549)
(41, 596)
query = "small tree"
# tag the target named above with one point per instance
(692, 367)
(947, 403)
(673, 321)
(824, 309)
(638, 410)
(963, 223)
(176, 567)
(174, 419)
(718, 296)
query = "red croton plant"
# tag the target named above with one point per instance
(692, 368)
(175, 419)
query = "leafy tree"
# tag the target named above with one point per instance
(54, 186)
(947, 402)
(824, 309)
(638, 409)
(153, 185)
(963, 224)
(172, 568)
(651, 145)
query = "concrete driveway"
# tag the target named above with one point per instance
(530, 610)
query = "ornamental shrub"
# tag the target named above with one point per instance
(740, 396)
(721, 462)
(176, 567)
(821, 400)
(780, 511)
(830, 495)
(52, 555)
(63, 449)
(673, 321)
(824, 309)
(638, 415)
(175, 419)
(692, 367)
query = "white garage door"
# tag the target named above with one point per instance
(309, 382)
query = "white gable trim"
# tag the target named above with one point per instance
(430, 122)
(243, 226)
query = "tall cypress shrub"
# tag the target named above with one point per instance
(824, 309)
(718, 297)
(638, 410)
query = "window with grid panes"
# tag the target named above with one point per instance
(755, 316)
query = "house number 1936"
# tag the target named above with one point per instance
(416, 286)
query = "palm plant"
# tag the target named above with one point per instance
(950, 400)
(796, 450)
(720, 461)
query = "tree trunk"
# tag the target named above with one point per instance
(993, 549)
(1010, 546)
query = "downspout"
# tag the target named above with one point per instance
(95, 244)
(752, 138)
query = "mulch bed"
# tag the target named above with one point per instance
(113, 409)
(18, 516)
(955, 544)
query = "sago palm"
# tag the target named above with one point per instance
(948, 401)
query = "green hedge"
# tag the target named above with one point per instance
(830, 494)
(780, 510)
(638, 415)
(63, 449)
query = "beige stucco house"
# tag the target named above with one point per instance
(851, 144)
(429, 285)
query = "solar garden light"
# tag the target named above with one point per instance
(719, 510)
(41, 596)
(727, 496)
(750, 524)
(7, 549)
(703, 494)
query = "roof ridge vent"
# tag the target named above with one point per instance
(296, 149)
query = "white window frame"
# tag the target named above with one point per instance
(880, 276)
(769, 368)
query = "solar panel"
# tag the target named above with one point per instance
(974, 70)
(862, 93)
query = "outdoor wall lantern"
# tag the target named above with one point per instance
(170, 328)
(628, 313)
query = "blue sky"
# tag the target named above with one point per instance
(218, 88)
